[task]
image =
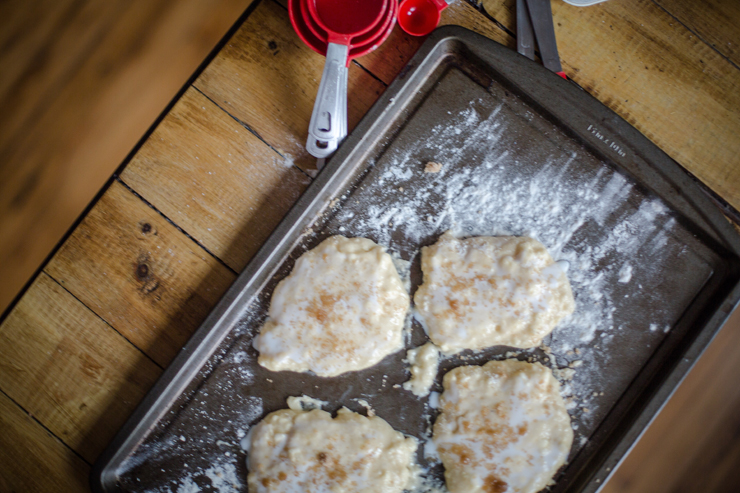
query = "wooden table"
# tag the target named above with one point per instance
(171, 230)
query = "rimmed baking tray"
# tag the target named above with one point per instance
(654, 267)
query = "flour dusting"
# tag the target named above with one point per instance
(222, 478)
(625, 274)
(494, 168)
(489, 184)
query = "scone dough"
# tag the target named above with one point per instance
(341, 309)
(486, 291)
(296, 451)
(424, 362)
(503, 428)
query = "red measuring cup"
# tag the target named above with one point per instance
(420, 17)
(300, 26)
(343, 21)
(363, 43)
(317, 39)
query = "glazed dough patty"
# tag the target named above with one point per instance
(295, 451)
(486, 291)
(503, 427)
(341, 309)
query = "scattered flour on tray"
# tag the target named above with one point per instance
(486, 187)
(625, 274)
(223, 479)
(246, 374)
(221, 475)
(491, 193)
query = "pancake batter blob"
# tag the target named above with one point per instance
(341, 309)
(487, 291)
(293, 451)
(424, 362)
(503, 428)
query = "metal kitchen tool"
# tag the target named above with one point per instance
(317, 39)
(655, 267)
(534, 20)
(342, 21)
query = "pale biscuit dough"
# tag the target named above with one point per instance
(341, 309)
(503, 428)
(296, 451)
(486, 291)
(424, 361)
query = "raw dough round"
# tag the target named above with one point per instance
(486, 291)
(423, 365)
(296, 451)
(503, 428)
(341, 309)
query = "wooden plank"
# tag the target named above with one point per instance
(140, 274)
(714, 21)
(714, 467)
(88, 125)
(704, 405)
(267, 78)
(388, 60)
(33, 459)
(215, 179)
(25, 28)
(727, 473)
(73, 372)
(634, 57)
(42, 44)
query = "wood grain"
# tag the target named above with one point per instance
(268, 79)
(714, 21)
(34, 460)
(715, 467)
(43, 43)
(651, 70)
(92, 114)
(68, 368)
(215, 179)
(265, 78)
(140, 274)
(692, 443)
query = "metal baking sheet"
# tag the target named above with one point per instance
(654, 267)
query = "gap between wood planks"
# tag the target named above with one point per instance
(88, 61)
(40, 424)
(232, 117)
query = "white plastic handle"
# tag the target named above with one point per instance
(328, 125)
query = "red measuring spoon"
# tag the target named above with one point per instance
(342, 20)
(420, 17)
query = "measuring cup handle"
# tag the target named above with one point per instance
(328, 121)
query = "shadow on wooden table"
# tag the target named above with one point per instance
(150, 274)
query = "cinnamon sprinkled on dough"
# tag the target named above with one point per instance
(341, 309)
(297, 451)
(486, 291)
(503, 425)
